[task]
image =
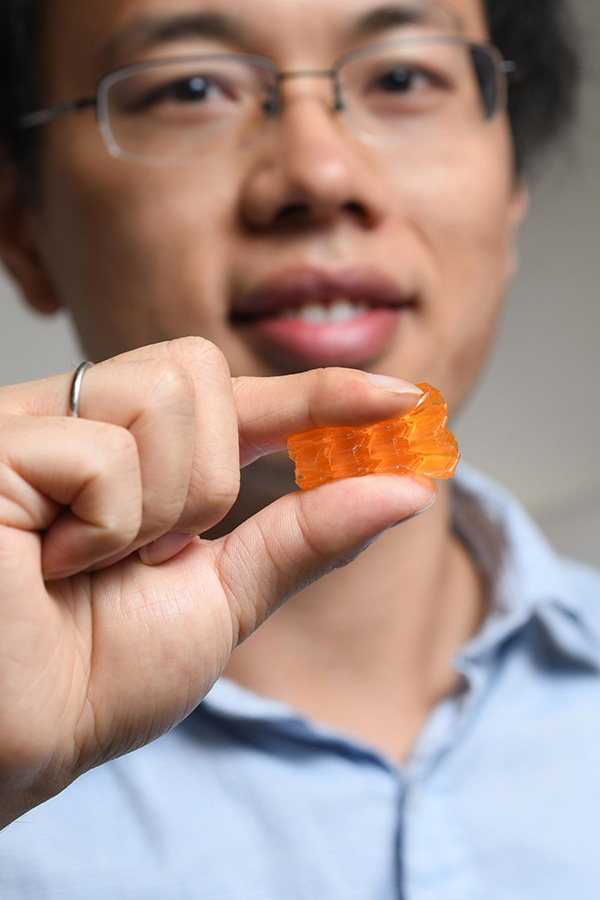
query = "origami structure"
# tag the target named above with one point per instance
(417, 442)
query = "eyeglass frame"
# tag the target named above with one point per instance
(506, 69)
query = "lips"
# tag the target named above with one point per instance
(305, 317)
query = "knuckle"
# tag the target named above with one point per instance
(196, 353)
(119, 530)
(303, 519)
(340, 382)
(331, 377)
(168, 382)
(128, 529)
(213, 360)
(244, 387)
(113, 441)
(220, 490)
(318, 378)
(315, 385)
(345, 388)
(116, 463)
(9, 431)
(160, 518)
(112, 454)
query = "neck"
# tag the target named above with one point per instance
(369, 648)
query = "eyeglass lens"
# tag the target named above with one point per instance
(410, 93)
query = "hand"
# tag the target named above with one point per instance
(101, 653)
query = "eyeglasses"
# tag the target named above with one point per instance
(409, 91)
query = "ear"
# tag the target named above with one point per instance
(518, 208)
(520, 202)
(18, 246)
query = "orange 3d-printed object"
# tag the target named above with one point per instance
(416, 442)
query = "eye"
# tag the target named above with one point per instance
(194, 88)
(402, 80)
(189, 90)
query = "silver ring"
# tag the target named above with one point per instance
(76, 388)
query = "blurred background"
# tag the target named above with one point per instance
(534, 422)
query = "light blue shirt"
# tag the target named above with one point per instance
(248, 800)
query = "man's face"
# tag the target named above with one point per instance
(143, 253)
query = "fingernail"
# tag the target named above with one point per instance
(165, 548)
(394, 385)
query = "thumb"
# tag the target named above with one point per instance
(306, 534)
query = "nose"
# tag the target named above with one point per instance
(311, 170)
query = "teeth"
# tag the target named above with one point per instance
(313, 312)
(341, 310)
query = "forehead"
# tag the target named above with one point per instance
(102, 36)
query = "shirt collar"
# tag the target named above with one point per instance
(230, 700)
(527, 579)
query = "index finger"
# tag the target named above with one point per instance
(271, 409)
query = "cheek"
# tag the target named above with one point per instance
(472, 241)
(131, 247)
(459, 205)
(462, 202)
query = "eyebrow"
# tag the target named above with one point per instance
(147, 32)
(397, 15)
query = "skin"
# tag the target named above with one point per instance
(442, 219)
(448, 239)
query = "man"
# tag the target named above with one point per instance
(421, 723)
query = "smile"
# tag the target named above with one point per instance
(339, 310)
(304, 318)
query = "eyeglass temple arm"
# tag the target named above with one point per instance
(511, 69)
(30, 120)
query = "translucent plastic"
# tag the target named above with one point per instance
(417, 442)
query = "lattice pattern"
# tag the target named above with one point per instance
(417, 442)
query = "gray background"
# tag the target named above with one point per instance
(533, 422)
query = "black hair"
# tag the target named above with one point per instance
(539, 35)
(19, 85)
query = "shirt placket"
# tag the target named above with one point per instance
(435, 861)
